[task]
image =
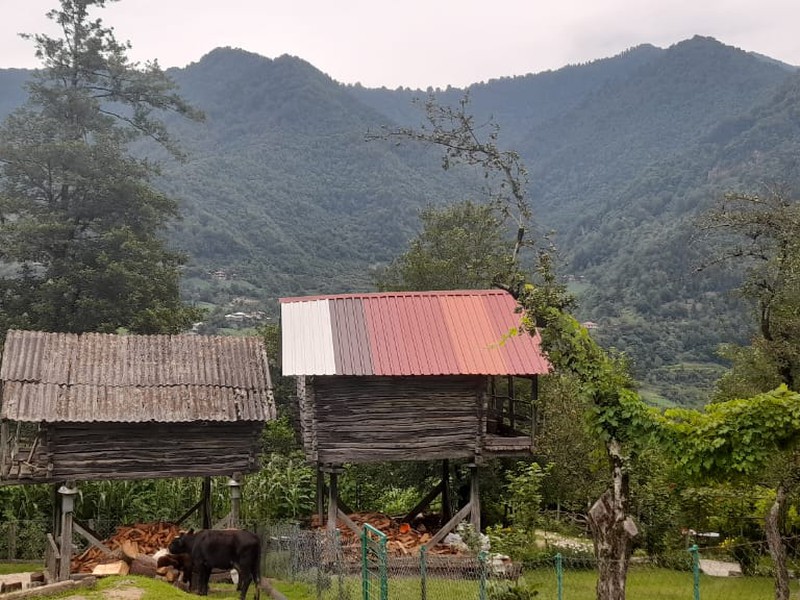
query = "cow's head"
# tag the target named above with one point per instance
(182, 544)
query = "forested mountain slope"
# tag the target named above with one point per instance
(281, 191)
(281, 195)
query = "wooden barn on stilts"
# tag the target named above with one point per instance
(98, 407)
(411, 376)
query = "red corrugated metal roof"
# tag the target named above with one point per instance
(452, 332)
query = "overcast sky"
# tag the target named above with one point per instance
(420, 43)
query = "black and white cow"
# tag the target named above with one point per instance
(221, 549)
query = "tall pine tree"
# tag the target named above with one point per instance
(81, 225)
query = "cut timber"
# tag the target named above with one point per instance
(130, 550)
(119, 567)
(127, 543)
(144, 565)
(53, 588)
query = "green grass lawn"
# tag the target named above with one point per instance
(644, 583)
(153, 589)
(7, 568)
(650, 583)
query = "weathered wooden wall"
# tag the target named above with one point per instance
(100, 451)
(372, 419)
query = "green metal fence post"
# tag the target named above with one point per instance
(559, 576)
(483, 564)
(383, 561)
(374, 549)
(364, 565)
(696, 570)
(423, 572)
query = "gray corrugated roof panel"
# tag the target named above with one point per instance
(57, 377)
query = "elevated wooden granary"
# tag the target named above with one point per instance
(411, 376)
(99, 406)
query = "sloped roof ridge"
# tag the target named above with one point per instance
(400, 294)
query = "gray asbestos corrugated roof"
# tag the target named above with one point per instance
(93, 377)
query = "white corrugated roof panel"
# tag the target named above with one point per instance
(307, 338)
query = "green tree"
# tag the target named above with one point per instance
(460, 246)
(752, 439)
(463, 142)
(79, 218)
(617, 415)
(761, 234)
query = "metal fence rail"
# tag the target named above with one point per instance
(362, 569)
(333, 571)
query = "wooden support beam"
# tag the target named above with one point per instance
(67, 492)
(341, 503)
(424, 503)
(449, 526)
(190, 512)
(320, 495)
(349, 522)
(474, 499)
(446, 508)
(91, 536)
(205, 506)
(333, 497)
(5, 458)
(235, 487)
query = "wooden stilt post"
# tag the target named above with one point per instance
(446, 491)
(333, 508)
(205, 507)
(320, 495)
(56, 524)
(68, 491)
(235, 486)
(333, 496)
(474, 498)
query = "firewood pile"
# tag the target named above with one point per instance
(128, 543)
(403, 539)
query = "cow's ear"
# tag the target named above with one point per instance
(190, 532)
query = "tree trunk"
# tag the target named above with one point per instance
(613, 530)
(774, 526)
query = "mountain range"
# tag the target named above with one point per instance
(281, 194)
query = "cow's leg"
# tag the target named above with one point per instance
(244, 582)
(205, 575)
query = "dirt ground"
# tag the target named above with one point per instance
(125, 591)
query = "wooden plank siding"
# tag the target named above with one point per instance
(372, 419)
(137, 451)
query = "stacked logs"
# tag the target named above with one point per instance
(403, 539)
(129, 544)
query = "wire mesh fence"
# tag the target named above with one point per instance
(23, 540)
(336, 567)
(331, 570)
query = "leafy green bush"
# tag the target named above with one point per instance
(509, 590)
(282, 490)
(744, 553)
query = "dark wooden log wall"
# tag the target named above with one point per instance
(372, 419)
(100, 451)
(308, 430)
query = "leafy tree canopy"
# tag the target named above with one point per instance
(461, 245)
(79, 218)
